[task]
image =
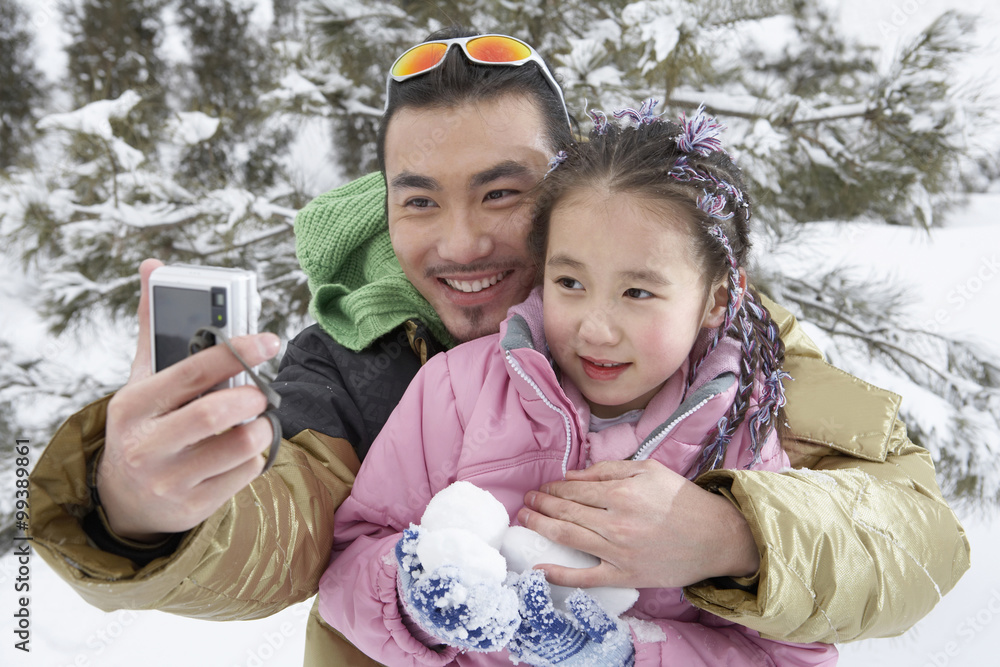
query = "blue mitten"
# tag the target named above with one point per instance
(466, 613)
(549, 637)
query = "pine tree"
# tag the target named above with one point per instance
(114, 48)
(22, 85)
(209, 182)
(192, 161)
(231, 69)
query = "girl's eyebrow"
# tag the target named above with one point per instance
(645, 275)
(560, 259)
(638, 275)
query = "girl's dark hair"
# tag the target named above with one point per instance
(683, 165)
(458, 81)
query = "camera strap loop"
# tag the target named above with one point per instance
(206, 337)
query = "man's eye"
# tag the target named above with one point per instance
(419, 202)
(498, 194)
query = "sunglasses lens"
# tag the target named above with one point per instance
(419, 59)
(497, 49)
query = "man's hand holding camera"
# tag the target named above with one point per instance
(169, 461)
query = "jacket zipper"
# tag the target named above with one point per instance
(650, 444)
(538, 390)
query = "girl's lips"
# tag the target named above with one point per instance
(603, 370)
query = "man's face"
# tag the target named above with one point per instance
(459, 213)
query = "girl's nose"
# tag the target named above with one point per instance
(598, 328)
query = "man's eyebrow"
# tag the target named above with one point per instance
(409, 180)
(502, 170)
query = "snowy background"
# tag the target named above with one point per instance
(961, 258)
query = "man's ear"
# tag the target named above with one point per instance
(718, 300)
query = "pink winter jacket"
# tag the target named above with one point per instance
(492, 412)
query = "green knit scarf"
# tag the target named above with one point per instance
(359, 291)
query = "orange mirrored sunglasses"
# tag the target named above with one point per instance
(482, 49)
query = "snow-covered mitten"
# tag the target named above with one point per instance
(456, 607)
(548, 637)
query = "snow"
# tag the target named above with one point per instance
(94, 118)
(192, 127)
(524, 548)
(466, 527)
(467, 551)
(951, 272)
(464, 505)
(959, 632)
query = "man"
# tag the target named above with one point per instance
(175, 516)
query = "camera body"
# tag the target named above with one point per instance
(184, 298)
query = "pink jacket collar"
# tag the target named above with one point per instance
(666, 415)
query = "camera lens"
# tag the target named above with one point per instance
(200, 341)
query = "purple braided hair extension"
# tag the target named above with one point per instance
(763, 353)
(714, 206)
(717, 443)
(772, 394)
(642, 116)
(600, 121)
(555, 161)
(700, 134)
(733, 306)
(683, 171)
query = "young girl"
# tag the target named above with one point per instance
(641, 343)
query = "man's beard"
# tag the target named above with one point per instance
(474, 319)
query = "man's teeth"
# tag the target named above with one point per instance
(475, 285)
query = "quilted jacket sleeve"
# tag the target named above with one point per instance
(260, 552)
(878, 546)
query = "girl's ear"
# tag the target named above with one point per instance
(718, 300)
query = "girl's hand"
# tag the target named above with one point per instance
(651, 527)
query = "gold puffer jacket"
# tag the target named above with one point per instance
(857, 542)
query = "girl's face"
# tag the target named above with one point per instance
(624, 299)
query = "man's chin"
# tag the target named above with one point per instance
(471, 323)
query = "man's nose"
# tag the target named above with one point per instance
(465, 239)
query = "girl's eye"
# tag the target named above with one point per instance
(636, 293)
(569, 283)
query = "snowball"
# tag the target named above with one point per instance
(474, 559)
(523, 548)
(464, 505)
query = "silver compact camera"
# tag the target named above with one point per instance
(185, 298)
